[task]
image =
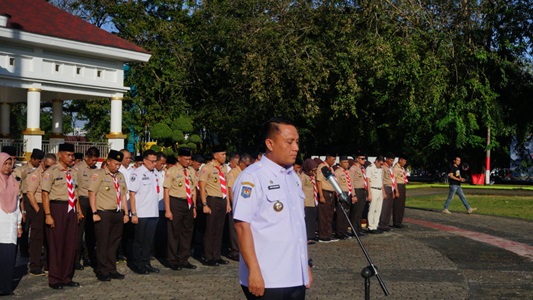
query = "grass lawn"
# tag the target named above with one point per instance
(504, 206)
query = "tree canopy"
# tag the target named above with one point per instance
(425, 78)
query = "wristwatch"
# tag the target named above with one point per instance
(95, 213)
(133, 214)
(204, 203)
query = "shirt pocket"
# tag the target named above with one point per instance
(276, 204)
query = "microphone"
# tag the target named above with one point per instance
(331, 179)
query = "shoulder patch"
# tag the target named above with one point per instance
(94, 177)
(247, 183)
(46, 176)
(246, 192)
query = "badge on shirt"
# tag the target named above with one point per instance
(273, 187)
(278, 206)
(94, 177)
(246, 192)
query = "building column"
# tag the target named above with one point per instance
(6, 120)
(33, 135)
(57, 137)
(116, 137)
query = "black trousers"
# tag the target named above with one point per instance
(23, 241)
(180, 230)
(325, 215)
(160, 239)
(341, 223)
(37, 238)
(310, 221)
(61, 243)
(398, 206)
(108, 235)
(386, 209)
(85, 240)
(288, 293)
(8, 257)
(360, 206)
(214, 227)
(143, 242)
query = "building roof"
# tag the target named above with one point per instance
(40, 17)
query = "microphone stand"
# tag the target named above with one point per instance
(370, 270)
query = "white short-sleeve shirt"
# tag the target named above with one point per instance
(143, 183)
(279, 235)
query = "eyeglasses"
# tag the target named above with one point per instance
(362, 158)
(152, 161)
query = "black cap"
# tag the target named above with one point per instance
(343, 157)
(331, 154)
(219, 148)
(66, 147)
(390, 155)
(198, 158)
(116, 155)
(360, 153)
(78, 155)
(138, 158)
(184, 151)
(37, 154)
(9, 150)
(402, 155)
(171, 160)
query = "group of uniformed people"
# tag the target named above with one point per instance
(375, 192)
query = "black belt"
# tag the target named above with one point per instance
(328, 191)
(110, 210)
(59, 201)
(178, 198)
(215, 197)
(376, 188)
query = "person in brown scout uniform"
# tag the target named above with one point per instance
(345, 182)
(83, 172)
(107, 196)
(391, 192)
(326, 202)
(21, 173)
(244, 161)
(36, 215)
(63, 212)
(307, 176)
(398, 206)
(180, 210)
(213, 192)
(358, 174)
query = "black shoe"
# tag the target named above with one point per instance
(375, 231)
(399, 226)
(72, 284)
(175, 267)
(188, 265)
(37, 273)
(210, 263)
(139, 270)
(117, 275)
(151, 269)
(104, 277)
(221, 261)
(234, 256)
(56, 286)
(341, 237)
(78, 266)
(361, 234)
(86, 262)
(384, 229)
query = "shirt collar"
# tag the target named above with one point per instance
(275, 168)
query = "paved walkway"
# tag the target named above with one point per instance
(437, 257)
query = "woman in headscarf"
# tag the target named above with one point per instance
(10, 223)
(308, 177)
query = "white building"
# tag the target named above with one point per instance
(47, 54)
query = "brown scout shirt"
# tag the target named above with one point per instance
(307, 187)
(326, 186)
(398, 174)
(387, 180)
(232, 176)
(209, 175)
(343, 180)
(358, 180)
(21, 173)
(82, 173)
(106, 195)
(175, 181)
(33, 184)
(54, 181)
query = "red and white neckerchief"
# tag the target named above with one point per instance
(187, 188)
(392, 178)
(70, 189)
(364, 177)
(315, 189)
(222, 179)
(348, 181)
(157, 188)
(405, 180)
(117, 189)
